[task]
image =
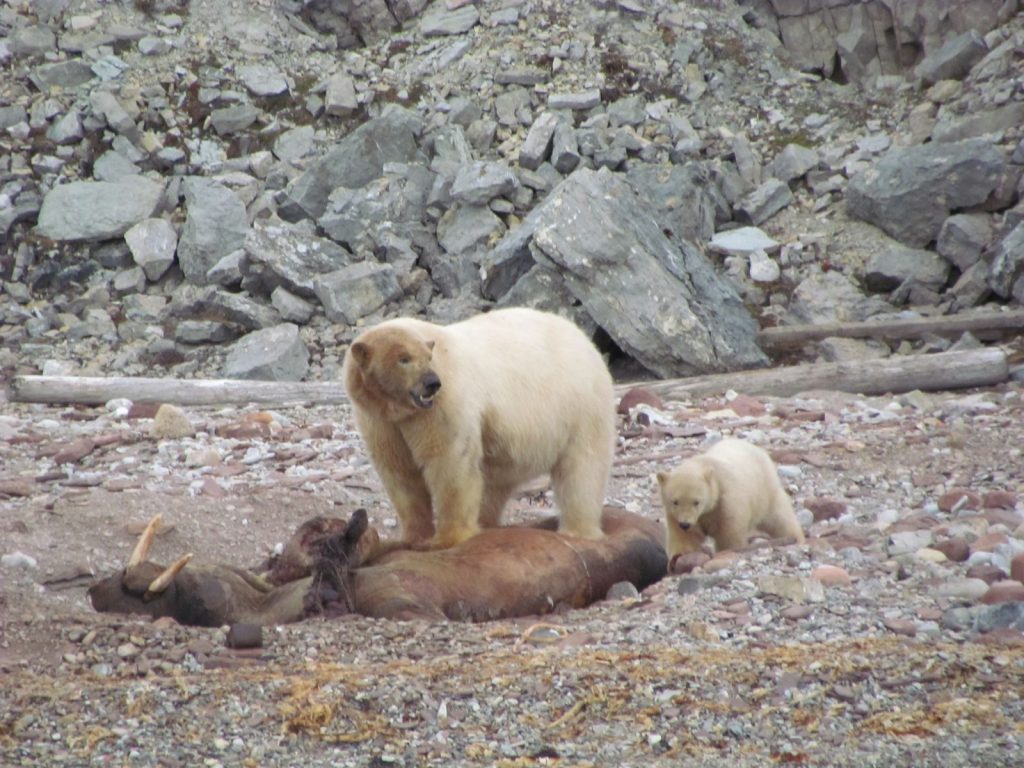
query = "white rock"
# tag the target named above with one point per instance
(19, 560)
(742, 241)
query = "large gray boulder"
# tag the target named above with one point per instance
(272, 354)
(290, 256)
(910, 192)
(215, 226)
(355, 161)
(97, 210)
(1006, 273)
(660, 300)
(355, 291)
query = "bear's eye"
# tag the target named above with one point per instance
(404, 360)
(675, 502)
(696, 503)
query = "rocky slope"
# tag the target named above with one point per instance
(231, 188)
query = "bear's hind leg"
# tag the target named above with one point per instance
(781, 522)
(494, 500)
(580, 479)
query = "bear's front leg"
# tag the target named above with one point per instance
(402, 479)
(456, 485)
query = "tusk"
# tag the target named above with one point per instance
(163, 581)
(145, 542)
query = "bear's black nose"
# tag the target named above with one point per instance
(431, 383)
(685, 526)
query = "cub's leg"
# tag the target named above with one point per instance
(731, 533)
(780, 520)
(402, 480)
(580, 479)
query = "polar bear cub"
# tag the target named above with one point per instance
(725, 493)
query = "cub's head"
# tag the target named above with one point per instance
(395, 366)
(687, 493)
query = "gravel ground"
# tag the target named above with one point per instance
(875, 643)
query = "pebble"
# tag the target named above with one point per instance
(1006, 591)
(798, 589)
(963, 588)
(831, 575)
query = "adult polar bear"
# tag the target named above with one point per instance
(457, 417)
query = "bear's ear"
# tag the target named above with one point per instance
(360, 352)
(662, 477)
(430, 345)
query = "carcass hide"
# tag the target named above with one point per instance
(329, 567)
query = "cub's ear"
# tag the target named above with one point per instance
(662, 478)
(360, 352)
(709, 473)
(430, 345)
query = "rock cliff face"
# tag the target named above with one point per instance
(175, 175)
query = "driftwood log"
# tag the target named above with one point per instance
(945, 370)
(500, 573)
(984, 325)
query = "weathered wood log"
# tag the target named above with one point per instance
(96, 390)
(989, 324)
(945, 370)
(500, 573)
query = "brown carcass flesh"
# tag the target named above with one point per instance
(500, 573)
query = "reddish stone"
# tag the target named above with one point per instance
(637, 396)
(721, 561)
(1017, 567)
(955, 549)
(901, 626)
(987, 573)
(688, 561)
(74, 451)
(1004, 592)
(825, 508)
(745, 405)
(213, 489)
(143, 410)
(929, 614)
(999, 500)
(988, 542)
(796, 612)
(952, 497)
(831, 575)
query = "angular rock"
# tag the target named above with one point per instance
(831, 296)
(294, 144)
(887, 269)
(963, 237)
(209, 302)
(907, 542)
(273, 354)
(662, 303)
(106, 105)
(393, 205)
(793, 162)
(355, 161)
(910, 192)
(763, 203)
(215, 226)
(280, 255)
(798, 589)
(742, 241)
(170, 423)
(237, 117)
(261, 80)
(340, 99)
(537, 143)
(205, 332)
(952, 127)
(291, 308)
(152, 243)
(1000, 616)
(64, 74)
(480, 182)
(1006, 272)
(565, 155)
(438, 20)
(954, 59)
(97, 210)
(683, 197)
(355, 291)
(466, 228)
(575, 99)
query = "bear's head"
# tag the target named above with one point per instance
(395, 366)
(688, 493)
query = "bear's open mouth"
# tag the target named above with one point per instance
(422, 401)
